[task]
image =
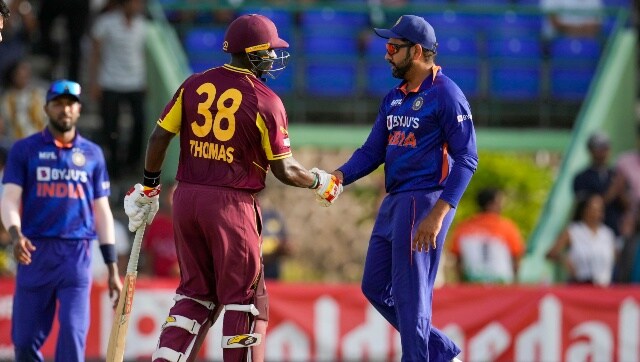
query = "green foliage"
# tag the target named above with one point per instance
(526, 186)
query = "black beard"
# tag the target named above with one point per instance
(61, 128)
(400, 71)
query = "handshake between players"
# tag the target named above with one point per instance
(141, 203)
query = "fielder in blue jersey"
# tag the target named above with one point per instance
(54, 204)
(425, 137)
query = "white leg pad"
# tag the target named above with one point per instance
(207, 304)
(241, 340)
(185, 323)
(248, 308)
(168, 354)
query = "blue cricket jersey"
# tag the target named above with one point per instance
(425, 137)
(59, 183)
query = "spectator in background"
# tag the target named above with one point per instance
(275, 245)
(488, 247)
(578, 18)
(4, 14)
(627, 181)
(597, 179)
(76, 14)
(17, 32)
(21, 105)
(586, 248)
(117, 75)
(158, 246)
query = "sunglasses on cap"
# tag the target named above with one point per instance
(394, 48)
(63, 87)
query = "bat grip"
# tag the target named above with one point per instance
(132, 267)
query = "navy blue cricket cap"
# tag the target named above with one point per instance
(63, 87)
(413, 28)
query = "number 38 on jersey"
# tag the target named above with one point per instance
(223, 124)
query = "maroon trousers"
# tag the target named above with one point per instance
(217, 236)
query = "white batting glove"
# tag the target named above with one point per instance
(141, 205)
(329, 187)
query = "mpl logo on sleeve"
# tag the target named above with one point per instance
(464, 117)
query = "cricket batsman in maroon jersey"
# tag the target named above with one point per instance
(233, 129)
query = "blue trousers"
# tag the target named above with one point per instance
(399, 282)
(60, 272)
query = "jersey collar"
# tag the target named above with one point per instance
(48, 138)
(427, 82)
(238, 70)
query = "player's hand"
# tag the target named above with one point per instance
(329, 187)
(22, 249)
(141, 205)
(114, 283)
(429, 228)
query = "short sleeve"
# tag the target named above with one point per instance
(101, 183)
(15, 172)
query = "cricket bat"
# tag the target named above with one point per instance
(117, 338)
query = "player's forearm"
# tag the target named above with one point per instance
(104, 221)
(291, 173)
(112, 268)
(157, 149)
(10, 206)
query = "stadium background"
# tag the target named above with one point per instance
(533, 114)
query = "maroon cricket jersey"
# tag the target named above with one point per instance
(231, 125)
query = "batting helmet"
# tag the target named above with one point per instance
(252, 32)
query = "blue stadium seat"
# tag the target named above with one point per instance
(204, 39)
(340, 45)
(326, 79)
(515, 81)
(284, 83)
(513, 23)
(452, 22)
(618, 3)
(375, 48)
(466, 75)
(571, 81)
(203, 47)
(576, 48)
(511, 46)
(573, 62)
(459, 45)
(330, 21)
(515, 66)
(379, 80)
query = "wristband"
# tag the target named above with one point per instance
(316, 181)
(108, 253)
(151, 179)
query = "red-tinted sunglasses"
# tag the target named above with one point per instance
(394, 48)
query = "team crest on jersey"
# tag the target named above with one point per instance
(78, 158)
(284, 131)
(417, 104)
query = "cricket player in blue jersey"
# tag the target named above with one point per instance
(425, 137)
(54, 204)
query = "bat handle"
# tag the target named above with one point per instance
(132, 267)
